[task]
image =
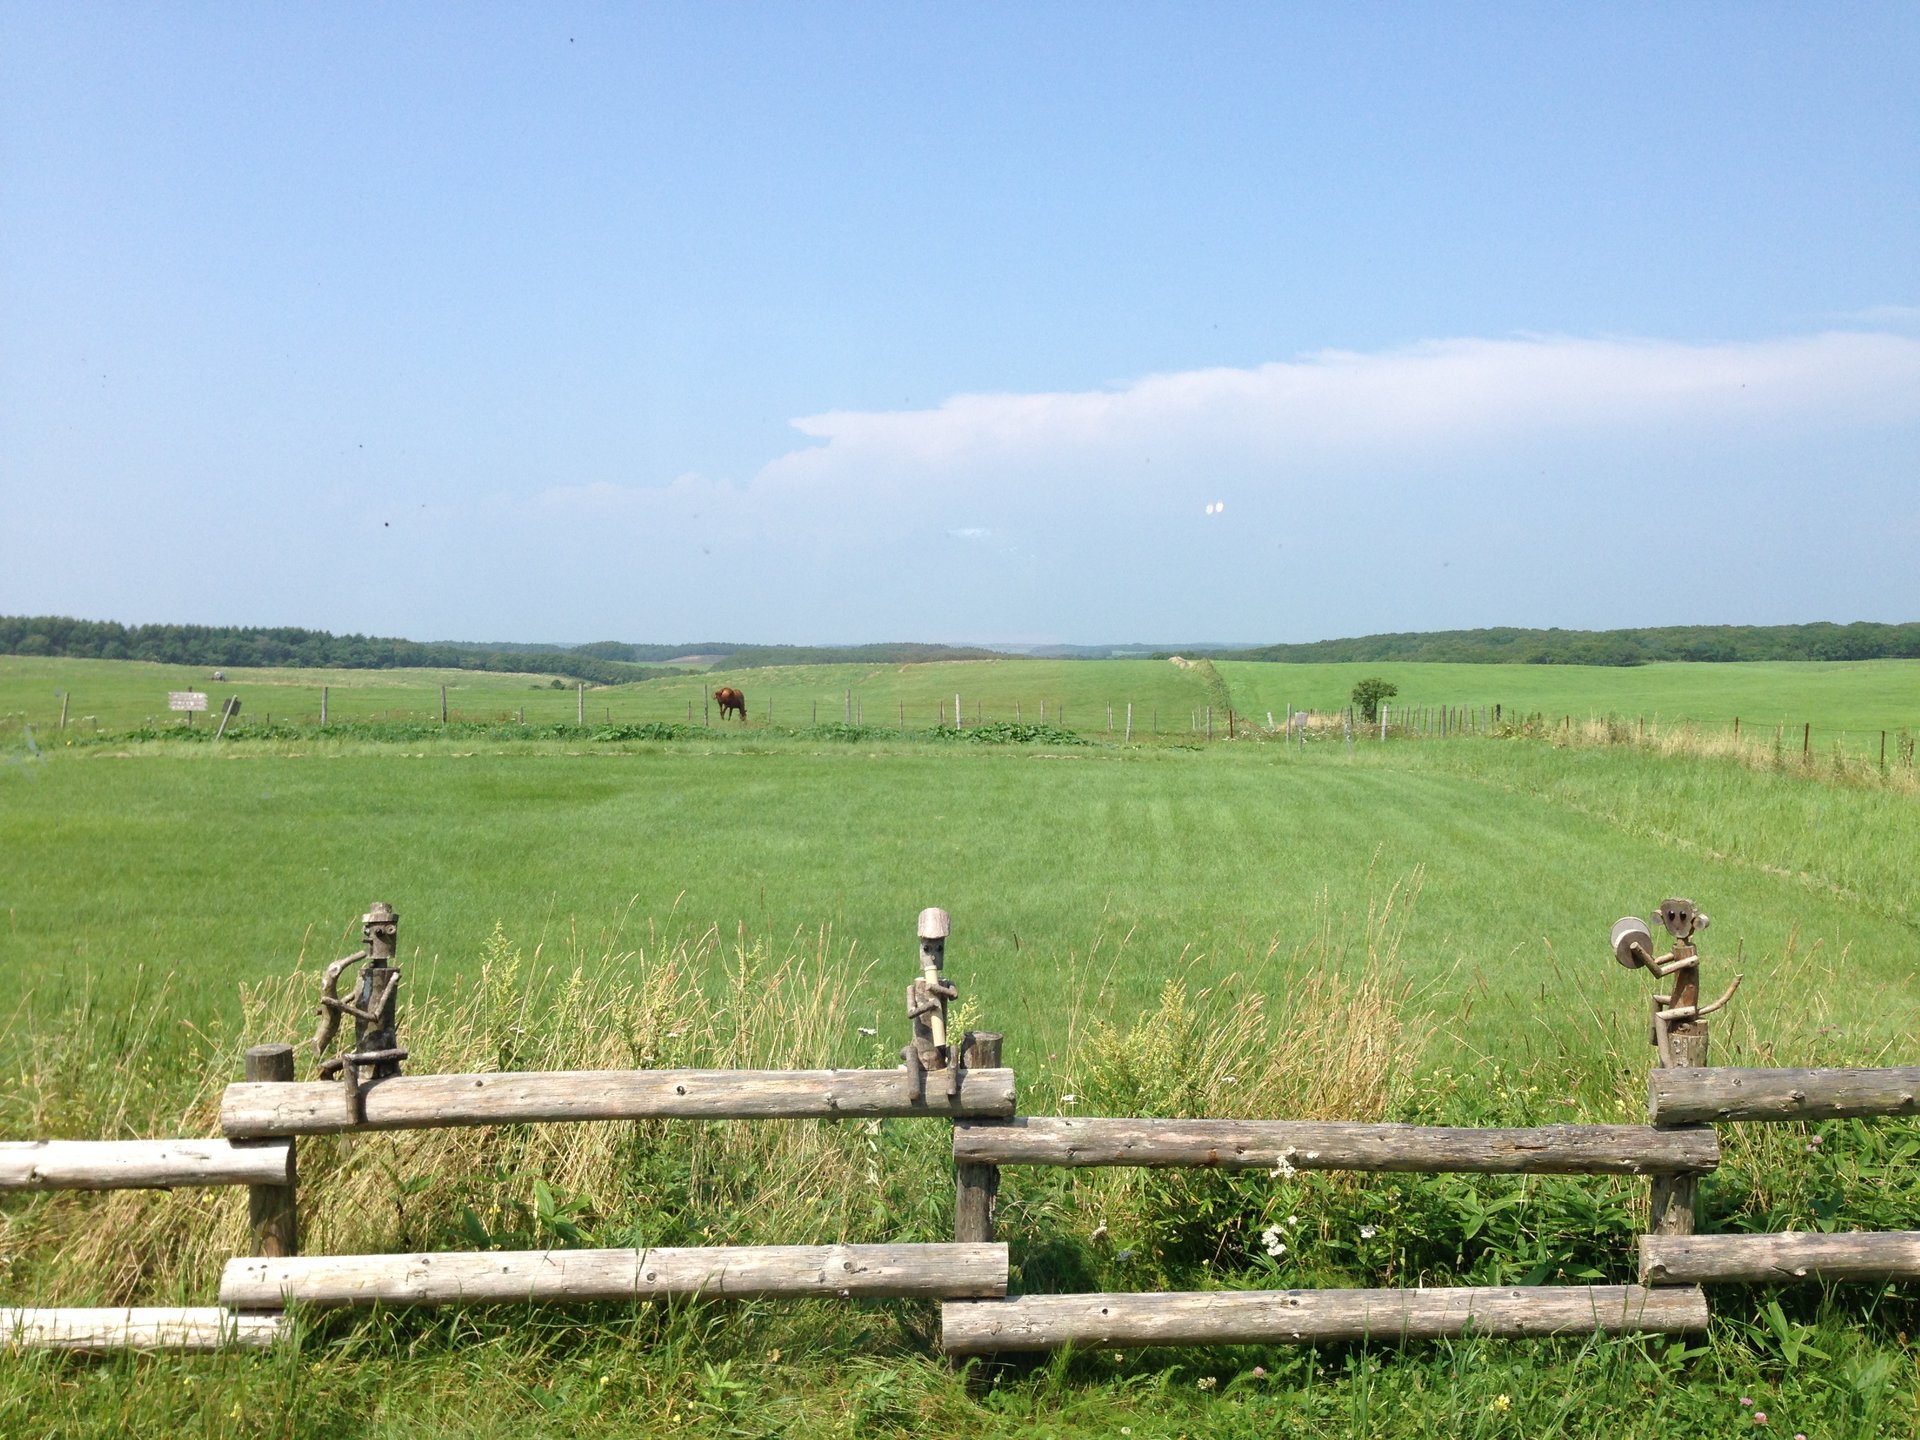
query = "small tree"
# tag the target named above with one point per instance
(1371, 693)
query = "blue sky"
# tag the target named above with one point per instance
(857, 322)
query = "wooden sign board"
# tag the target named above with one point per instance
(188, 700)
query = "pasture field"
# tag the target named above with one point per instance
(113, 695)
(1418, 932)
(1848, 702)
(1121, 868)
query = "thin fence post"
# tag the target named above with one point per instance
(443, 704)
(959, 721)
(1883, 752)
(1674, 1197)
(706, 710)
(65, 696)
(272, 1210)
(1128, 737)
(1806, 742)
(323, 707)
(580, 699)
(1209, 722)
(975, 1186)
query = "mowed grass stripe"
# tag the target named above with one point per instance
(1061, 870)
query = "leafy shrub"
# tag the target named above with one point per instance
(1371, 693)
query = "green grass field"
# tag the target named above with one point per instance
(1131, 867)
(1852, 702)
(1082, 880)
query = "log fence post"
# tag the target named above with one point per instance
(976, 1186)
(273, 1210)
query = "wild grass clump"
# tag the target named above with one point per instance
(1758, 751)
(509, 1187)
(1009, 732)
(1327, 1031)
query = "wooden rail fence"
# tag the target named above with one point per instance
(263, 1114)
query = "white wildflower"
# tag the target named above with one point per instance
(1067, 1099)
(1367, 1232)
(868, 1031)
(1270, 1239)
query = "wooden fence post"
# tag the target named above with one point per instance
(1674, 1197)
(580, 694)
(273, 1209)
(323, 707)
(975, 1186)
(443, 704)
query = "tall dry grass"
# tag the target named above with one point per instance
(1758, 748)
(623, 1182)
(1321, 1030)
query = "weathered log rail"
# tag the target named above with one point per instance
(1316, 1145)
(1722, 1093)
(136, 1327)
(1256, 1317)
(716, 1272)
(1779, 1258)
(142, 1164)
(414, 1102)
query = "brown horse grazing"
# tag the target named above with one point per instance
(731, 699)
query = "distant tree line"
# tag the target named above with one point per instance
(1862, 640)
(604, 662)
(754, 657)
(242, 645)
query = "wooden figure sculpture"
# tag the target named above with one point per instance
(1679, 1012)
(376, 1042)
(927, 999)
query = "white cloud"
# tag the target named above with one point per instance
(1450, 394)
(1467, 481)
